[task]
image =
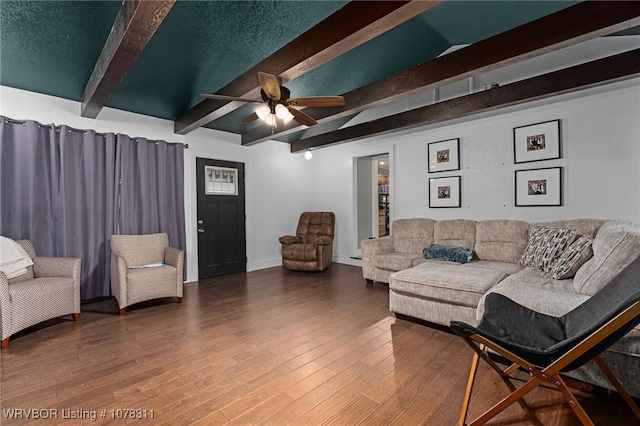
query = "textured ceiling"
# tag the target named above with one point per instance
(52, 47)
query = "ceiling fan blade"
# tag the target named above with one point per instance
(302, 117)
(249, 118)
(228, 98)
(269, 83)
(317, 101)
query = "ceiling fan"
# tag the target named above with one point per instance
(276, 102)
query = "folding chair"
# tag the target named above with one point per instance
(545, 345)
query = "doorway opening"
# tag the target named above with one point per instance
(373, 195)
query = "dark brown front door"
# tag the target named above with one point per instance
(221, 217)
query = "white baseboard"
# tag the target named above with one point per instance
(264, 264)
(270, 263)
(347, 260)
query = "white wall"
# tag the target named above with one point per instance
(277, 182)
(601, 154)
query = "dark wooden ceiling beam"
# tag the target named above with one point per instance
(354, 24)
(564, 28)
(134, 26)
(603, 71)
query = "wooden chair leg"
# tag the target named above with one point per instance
(123, 310)
(467, 393)
(179, 299)
(5, 342)
(507, 401)
(76, 316)
(572, 401)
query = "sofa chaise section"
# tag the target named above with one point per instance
(436, 291)
(616, 245)
(439, 291)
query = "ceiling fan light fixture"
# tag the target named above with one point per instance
(277, 103)
(270, 119)
(288, 118)
(286, 115)
(282, 112)
(263, 112)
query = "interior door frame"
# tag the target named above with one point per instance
(370, 152)
(223, 162)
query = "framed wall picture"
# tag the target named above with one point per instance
(539, 187)
(537, 142)
(444, 156)
(444, 192)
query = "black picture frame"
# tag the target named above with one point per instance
(452, 149)
(537, 142)
(453, 196)
(539, 187)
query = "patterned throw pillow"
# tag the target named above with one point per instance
(545, 245)
(573, 258)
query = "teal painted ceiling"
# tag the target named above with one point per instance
(51, 47)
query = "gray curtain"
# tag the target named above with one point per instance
(152, 188)
(86, 204)
(28, 183)
(68, 191)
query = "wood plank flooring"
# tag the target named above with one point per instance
(271, 347)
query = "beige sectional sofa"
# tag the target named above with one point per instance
(440, 291)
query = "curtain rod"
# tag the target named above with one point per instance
(71, 129)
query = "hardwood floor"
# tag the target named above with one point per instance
(270, 347)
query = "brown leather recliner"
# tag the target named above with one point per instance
(311, 248)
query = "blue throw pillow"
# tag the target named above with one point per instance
(450, 253)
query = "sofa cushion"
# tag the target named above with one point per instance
(630, 344)
(395, 261)
(449, 283)
(446, 262)
(145, 284)
(582, 226)
(501, 240)
(412, 235)
(536, 290)
(615, 246)
(447, 252)
(545, 245)
(572, 258)
(506, 267)
(456, 232)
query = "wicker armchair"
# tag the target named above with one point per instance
(131, 283)
(49, 289)
(311, 249)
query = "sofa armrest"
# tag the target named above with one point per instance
(173, 256)
(289, 239)
(375, 246)
(68, 267)
(322, 240)
(5, 306)
(370, 249)
(119, 279)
